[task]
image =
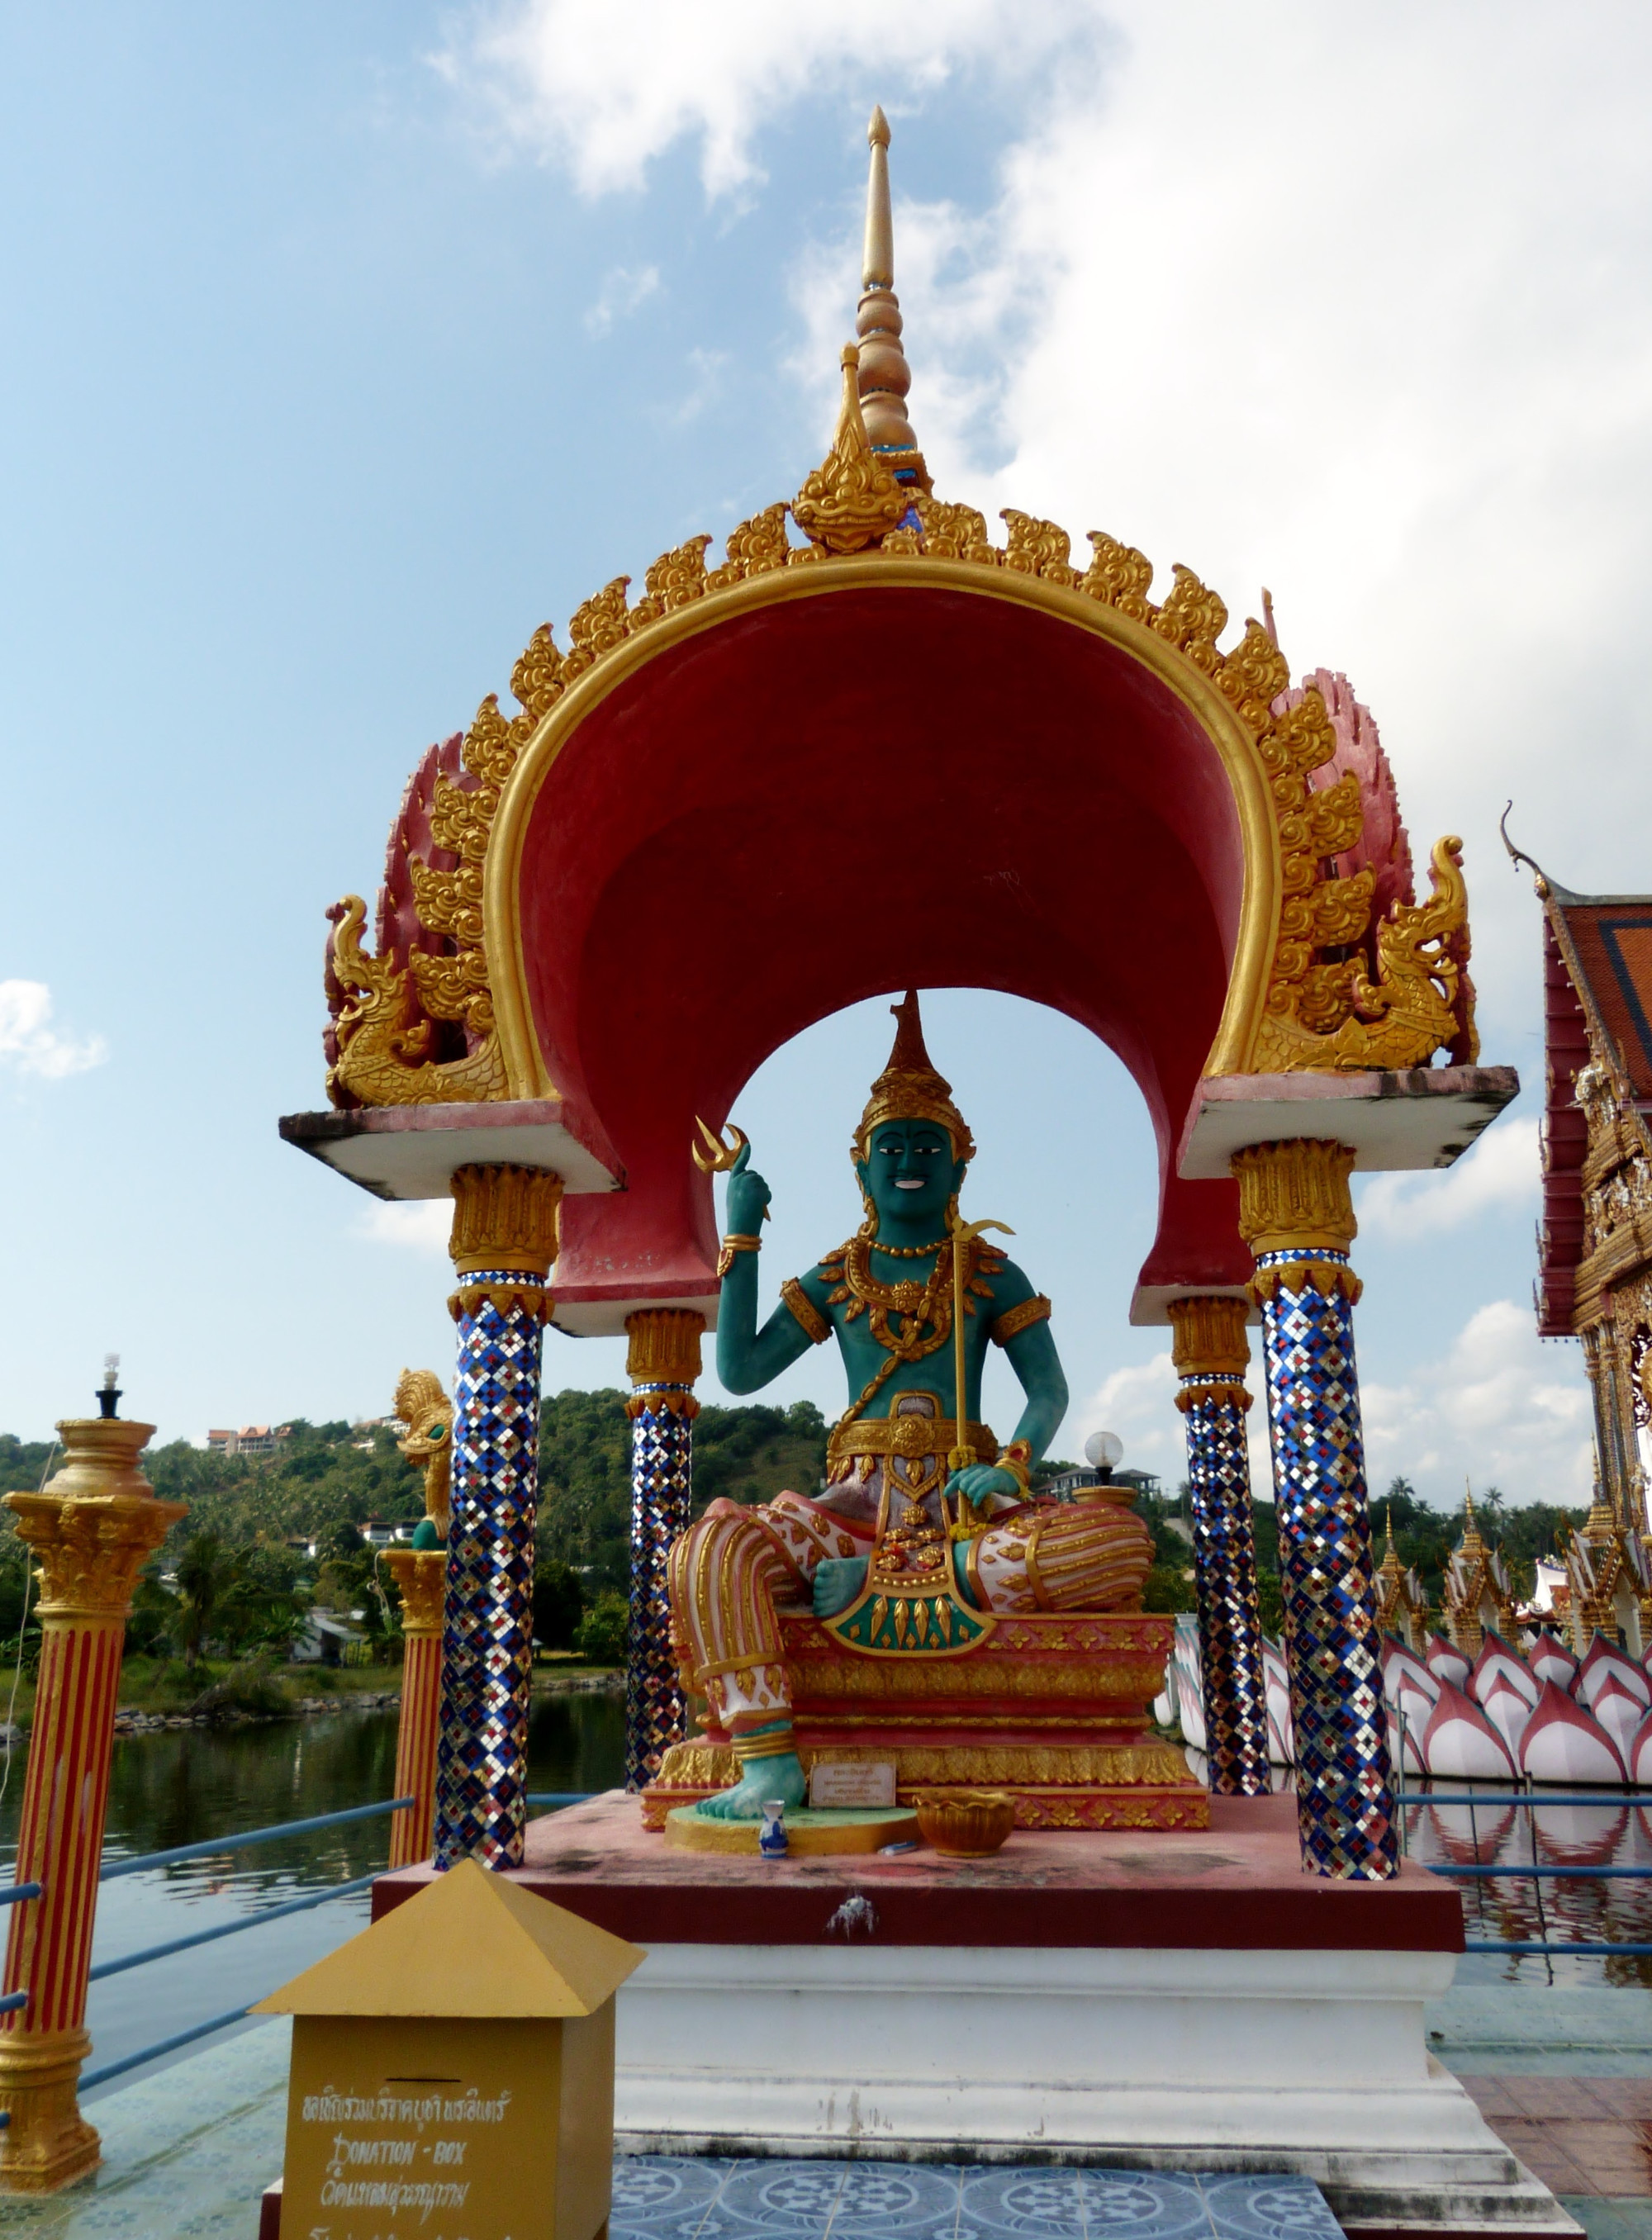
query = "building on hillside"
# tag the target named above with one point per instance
(250, 1439)
(388, 1532)
(1594, 1243)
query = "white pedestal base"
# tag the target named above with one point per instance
(1313, 2062)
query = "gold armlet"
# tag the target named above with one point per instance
(731, 1244)
(1014, 1320)
(818, 1329)
(1017, 1457)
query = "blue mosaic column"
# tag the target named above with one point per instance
(1212, 1355)
(1297, 1216)
(662, 1361)
(503, 1241)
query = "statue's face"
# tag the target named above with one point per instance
(911, 1172)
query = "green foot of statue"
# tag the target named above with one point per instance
(770, 1779)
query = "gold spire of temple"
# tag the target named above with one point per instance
(885, 376)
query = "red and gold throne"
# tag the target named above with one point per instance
(1052, 1710)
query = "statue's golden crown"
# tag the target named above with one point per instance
(910, 1088)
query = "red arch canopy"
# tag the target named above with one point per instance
(821, 799)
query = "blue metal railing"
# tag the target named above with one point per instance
(231, 1928)
(102, 2075)
(215, 1845)
(549, 1799)
(1525, 1798)
(18, 1891)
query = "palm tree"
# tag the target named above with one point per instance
(207, 1573)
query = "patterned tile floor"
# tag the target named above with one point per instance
(189, 2151)
(660, 2197)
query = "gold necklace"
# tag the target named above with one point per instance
(906, 1251)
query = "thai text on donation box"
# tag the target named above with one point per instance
(453, 2072)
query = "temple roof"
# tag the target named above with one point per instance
(1597, 970)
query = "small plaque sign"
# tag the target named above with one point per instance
(847, 1783)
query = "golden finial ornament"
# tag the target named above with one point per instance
(851, 500)
(883, 377)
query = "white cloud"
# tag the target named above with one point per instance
(1500, 1407)
(624, 290)
(1138, 1402)
(566, 80)
(31, 1043)
(1499, 1175)
(418, 1225)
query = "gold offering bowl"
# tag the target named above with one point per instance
(968, 1825)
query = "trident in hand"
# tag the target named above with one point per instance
(717, 1157)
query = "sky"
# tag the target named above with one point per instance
(345, 344)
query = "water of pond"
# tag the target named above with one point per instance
(1514, 1909)
(185, 1785)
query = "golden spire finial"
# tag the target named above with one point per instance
(1390, 1527)
(884, 375)
(877, 265)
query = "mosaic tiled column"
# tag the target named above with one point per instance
(93, 1529)
(1297, 1216)
(1211, 1357)
(662, 1363)
(504, 1239)
(421, 1580)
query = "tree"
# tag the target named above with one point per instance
(559, 1602)
(207, 1573)
(602, 1631)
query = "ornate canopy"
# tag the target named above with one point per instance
(871, 747)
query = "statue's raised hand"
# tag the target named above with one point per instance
(746, 1207)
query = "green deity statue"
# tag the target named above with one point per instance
(925, 1531)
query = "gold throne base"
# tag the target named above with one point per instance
(1053, 1711)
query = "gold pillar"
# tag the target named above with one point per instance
(93, 1529)
(420, 1575)
(662, 1361)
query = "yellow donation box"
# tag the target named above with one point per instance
(453, 2072)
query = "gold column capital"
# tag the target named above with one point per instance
(1208, 1341)
(95, 1523)
(1208, 1336)
(506, 1220)
(663, 1352)
(1293, 1199)
(421, 1580)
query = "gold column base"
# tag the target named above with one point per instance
(48, 2143)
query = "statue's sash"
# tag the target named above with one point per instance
(908, 1619)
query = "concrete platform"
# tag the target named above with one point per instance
(1182, 2002)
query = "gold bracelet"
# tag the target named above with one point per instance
(1017, 1458)
(731, 1244)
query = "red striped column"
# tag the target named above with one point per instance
(421, 1580)
(93, 1529)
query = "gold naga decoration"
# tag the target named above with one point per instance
(422, 1404)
